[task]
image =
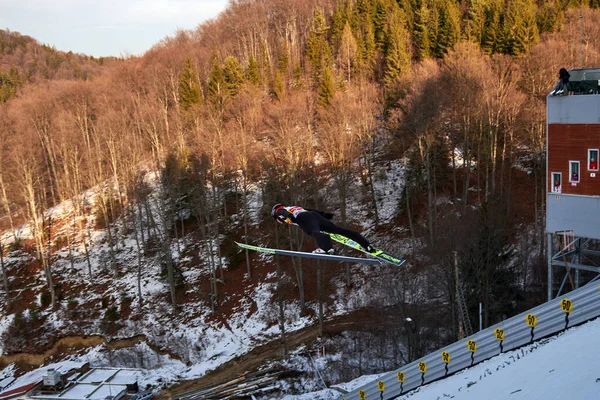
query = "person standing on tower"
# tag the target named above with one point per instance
(562, 87)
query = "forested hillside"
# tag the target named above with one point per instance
(24, 61)
(299, 101)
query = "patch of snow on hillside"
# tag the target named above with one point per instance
(388, 189)
(5, 322)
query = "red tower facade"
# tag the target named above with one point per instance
(573, 180)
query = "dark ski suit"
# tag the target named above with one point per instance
(313, 222)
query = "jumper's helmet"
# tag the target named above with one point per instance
(274, 210)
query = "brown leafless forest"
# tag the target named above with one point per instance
(288, 97)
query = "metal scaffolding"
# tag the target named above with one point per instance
(571, 254)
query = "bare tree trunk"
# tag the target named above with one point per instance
(104, 208)
(215, 225)
(41, 123)
(369, 162)
(152, 231)
(139, 257)
(479, 157)
(78, 200)
(70, 241)
(212, 263)
(4, 273)
(7, 208)
(509, 183)
(170, 272)
(280, 299)
(166, 215)
(454, 192)
(320, 295)
(408, 210)
(82, 231)
(342, 187)
(141, 218)
(467, 173)
(245, 201)
(535, 201)
(488, 160)
(502, 165)
(426, 156)
(28, 177)
(298, 268)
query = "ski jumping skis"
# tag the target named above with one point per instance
(309, 255)
(379, 254)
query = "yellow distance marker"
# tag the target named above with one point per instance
(423, 367)
(499, 333)
(446, 357)
(401, 377)
(531, 320)
(362, 394)
(381, 386)
(472, 346)
(566, 305)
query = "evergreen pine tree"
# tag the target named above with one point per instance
(253, 72)
(420, 30)
(449, 27)
(475, 21)
(368, 54)
(381, 11)
(433, 25)
(264, 64)
(317, 52)
(233, 75)
(278, 86)
(327, 87)
(341, 15)
(492, 37)
(407, 7)
(217, 94)
(347, 52)
(520, 27)
(397, 56)
(283, 61)
(549, 17)
(364, 32)
(297, 81)
(190, 92)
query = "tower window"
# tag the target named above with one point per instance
(574, 171)
(556, 182)
(592, 159)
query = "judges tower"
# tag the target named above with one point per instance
(573, 182)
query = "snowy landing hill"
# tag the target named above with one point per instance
(565, 366)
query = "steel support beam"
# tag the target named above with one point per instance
(576, 266)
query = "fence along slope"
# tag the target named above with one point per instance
(572, 309)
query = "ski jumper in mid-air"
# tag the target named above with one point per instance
(313, 222)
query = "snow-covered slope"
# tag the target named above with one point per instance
(565, 366)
